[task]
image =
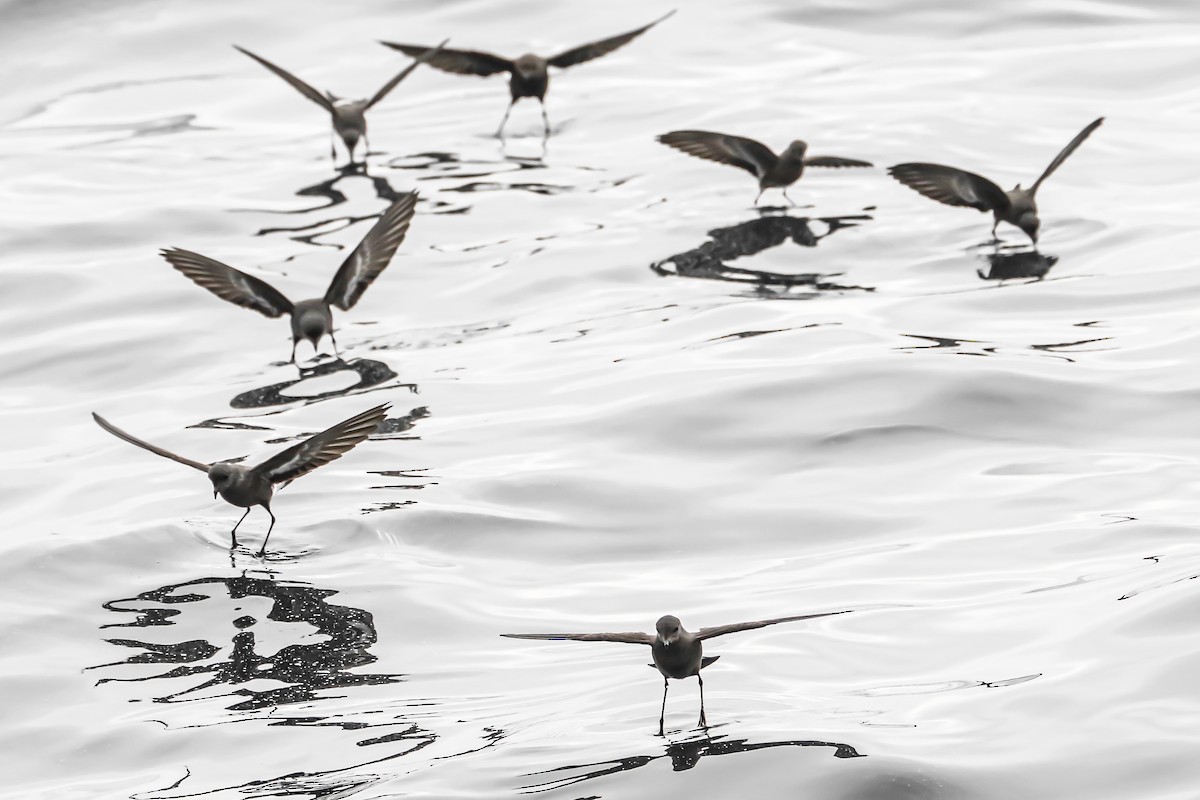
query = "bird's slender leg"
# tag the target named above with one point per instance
(758, 196)
(662, 715)
(233, 533)
(294, 343)
(262, 551)
(545, 120)
(333, 146)
(703, 723)
(336, 354)
(504, 121)
(995, 223)
(790, 200)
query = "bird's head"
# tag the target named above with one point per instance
(529, 66)
(668, 628)
(795, 151)
(220, 475)
(1029, 223)
(312, 325)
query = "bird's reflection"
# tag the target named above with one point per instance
(512, 171)
(683, 756)
(310, 232)
(369, 374)
(1026, 264)
(328, 189)
(710, 259)
(315, 643)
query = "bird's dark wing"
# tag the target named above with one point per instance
(326, 446)
(835, 161)
(625, 638)
(421, 59)
(1066, 151)
(297, 84)
(228, 283)
(458, 62)
(120, 434)
(721, 630)
(738, 151)
(372, 255)
(954, 187)
(586, 52)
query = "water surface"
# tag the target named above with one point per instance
(609, 403)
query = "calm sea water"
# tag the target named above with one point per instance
(599, 418)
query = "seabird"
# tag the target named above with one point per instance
(755, 157)
(254, 486)
(349, 116)
(677, 653)
(528, 75)
(957, 187)
(311, 319)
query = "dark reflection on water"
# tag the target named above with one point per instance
(683, 755)
(370, 374)
(975, 347)
(443, 166)
(324, 643)
(328, 190)
(709, 259)
(327, 642)
(1016, 266)
(331, 783)
(437, 164)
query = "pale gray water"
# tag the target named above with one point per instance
(1001, 475)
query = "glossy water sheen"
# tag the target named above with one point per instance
(598, 418)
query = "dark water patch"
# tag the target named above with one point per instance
(683, 755)
(371, 375)
(1028, 265)
(324, 642)
(709, 260)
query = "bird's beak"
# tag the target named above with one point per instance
(214, 494)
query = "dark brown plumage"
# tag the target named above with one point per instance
(348, 116)
(677, 653)
(311, 319)
(957, 187)
(755, 157)
(528, 75)
(255, 486)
